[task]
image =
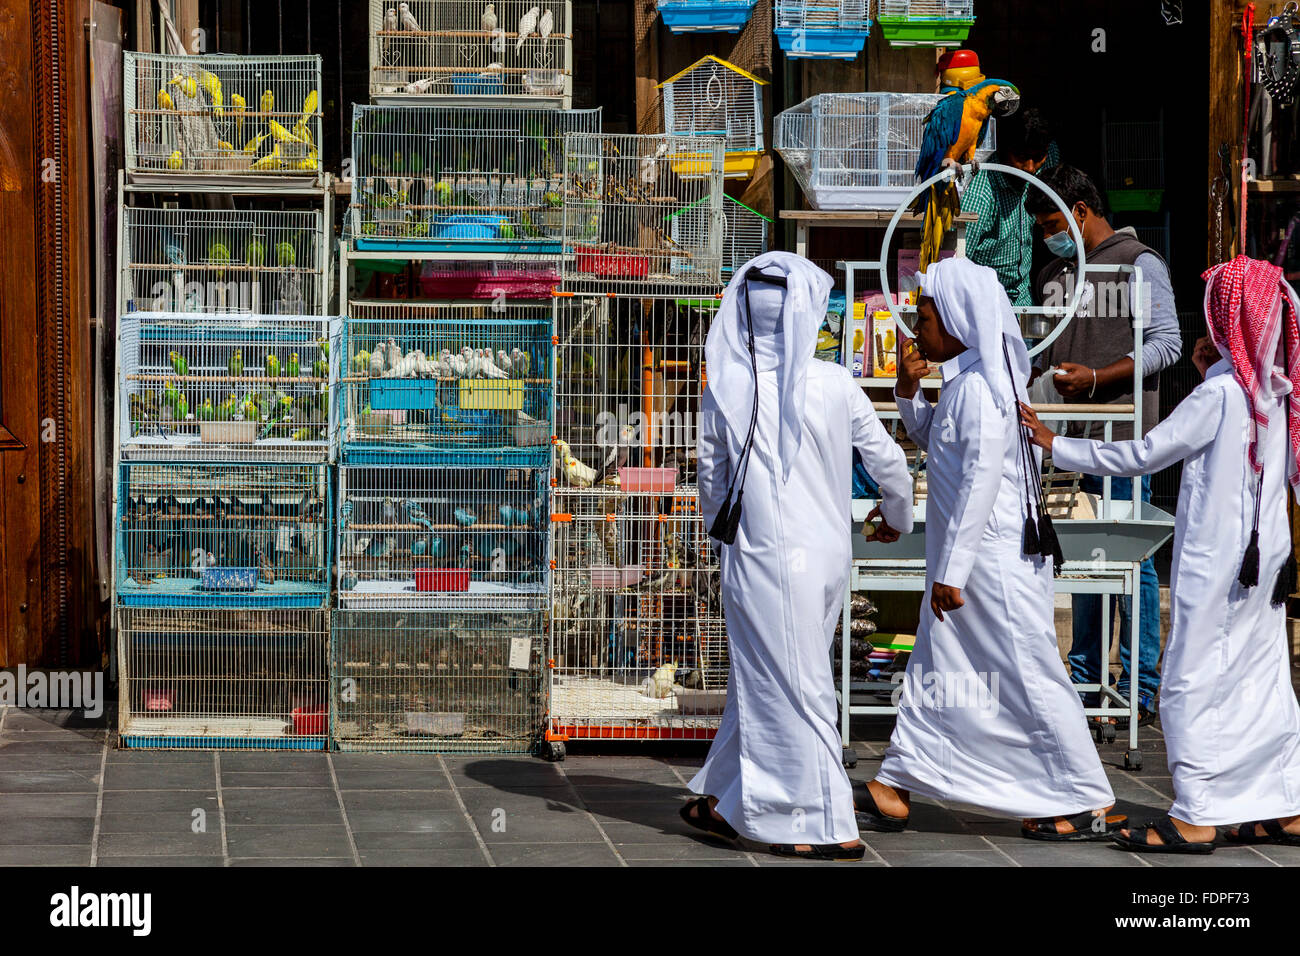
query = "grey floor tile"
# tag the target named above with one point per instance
(1285, 855)
(353, 779)
(738, 861)
(356, 761)
(293, 861)
(49, 781)
(407, 821)
(289, 778)
(84, 763)
(634, 793)
(183, 843)
(1071, 855)
(23, 805)
(45, 855)
(140, 757)
(701, 849)
(160, 861)
(161, 821)
(287, 841)
(535, 827)
(181, 776)
(658, 778)
(282, 816)
(1219, 858)
(554, 854)
(149, 801)
(941, 857)
(273, 761)
(46, 830)
(423, 800)
(371, 841)
(463, 857)
(49, 744)
(284, 798)
(551, 799)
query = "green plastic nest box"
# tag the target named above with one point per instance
(925, 31)
(1135, 200)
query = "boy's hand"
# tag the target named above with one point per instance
(912, 367)
(944, 598)
(882, 532)
(1204, 354)
(1076, 379)
(1039, 433)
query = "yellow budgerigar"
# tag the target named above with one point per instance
(270, 161)
(212, 86)
(254, 144)
(222, 144)
(310, 103)
(186, 83)
(268, 102)
(165, 100)
(237, 107)
(281, 134)
(174, 161)
(301, 131)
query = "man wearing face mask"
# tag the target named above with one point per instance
(1094, 358)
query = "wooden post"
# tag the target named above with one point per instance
(1225, 115)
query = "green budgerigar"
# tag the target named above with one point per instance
(285, 256)
(294, 368)
(272, 365)
(236, 364)
(256, 253)
(179, 365)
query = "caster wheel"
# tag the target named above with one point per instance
(1108, 732)
(1133, 760)
(850, 758)
(555, 751)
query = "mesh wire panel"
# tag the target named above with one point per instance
(223, 678)
(222, 115)
(233, 388)
(620, 194)
(823, 14)
(634, 587)
(462, 378)
(462, 178)
(415, 536)
(858, 150)
(744, 234)
(470, 51)
(1134, 154)
(713, 99)
(198, 535)
(223, 260)
(437, 681)
(927, 9)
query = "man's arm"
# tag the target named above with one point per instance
(1162, 340)
(884, 458)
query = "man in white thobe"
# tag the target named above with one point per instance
(987, 715)
(1227, 707)
(774, 773)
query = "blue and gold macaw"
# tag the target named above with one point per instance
(955, 127)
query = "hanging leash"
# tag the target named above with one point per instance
(1039, 535)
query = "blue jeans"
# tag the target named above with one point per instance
(1085, 652)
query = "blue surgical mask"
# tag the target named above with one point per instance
(1060, 244)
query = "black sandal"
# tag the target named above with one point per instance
(698, 815)
(821, 851)
(1174, 841)
(1084, 827)
(1274, 833)
(870, 817)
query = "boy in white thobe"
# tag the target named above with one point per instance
(987, 715)
(775, 771)
(1227, 707)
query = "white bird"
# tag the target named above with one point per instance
(578, 474)
(544, 28)
(394, 354)
(490, 369)
(390, 19)
(520, 360)
(504, 363)
(489, 19)
(408, 22)
(660, 683)
(527, 23)
(473, 364)
(455, 364)
(377, 361)
(649, 164)
(421, 86)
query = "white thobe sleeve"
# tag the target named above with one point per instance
(884, 459)
(712, 462)
(979, 432)
(916, 413)
(1189, 428)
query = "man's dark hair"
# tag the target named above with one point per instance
(1072, 185)
(1024, 135)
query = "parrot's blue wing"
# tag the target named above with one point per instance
(941, 129)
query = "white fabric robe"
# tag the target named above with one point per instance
(1227, 707)
(987, 715)
(776, 764)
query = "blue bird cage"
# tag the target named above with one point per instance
(822, 29)
(705, 16)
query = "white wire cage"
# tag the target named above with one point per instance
(222, 678)
(835, 29)
(233, 388)
(222, 535)
(744, 233)
(468, 381)
(715, 98)
(263, 261)
(1133, 154)
(438, 681)
(620, 194)
(507, 52)
(858, 150)
(451, 179)
(222, 115)
(421, 536)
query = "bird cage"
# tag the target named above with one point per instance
(634, 584)
(925, 22)
(498, 280)
(620, 193)
(464, 681)
(461, 181)
(221, 116)
(836, 29)
(504, 53)
(263, 261)
(235, 388)
(705, 16)
(1134, 164)
(858, 150)
(744, 234)
(225, 678)
(419, 536)
(468, 382)
(222, 535)
(715, 98)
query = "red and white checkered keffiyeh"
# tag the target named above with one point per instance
(1246, 301)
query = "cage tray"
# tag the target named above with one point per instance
(403, 394)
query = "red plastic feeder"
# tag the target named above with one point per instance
(597, 262)
(308, 723)
(442, 579)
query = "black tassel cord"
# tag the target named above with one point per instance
(1039, 533)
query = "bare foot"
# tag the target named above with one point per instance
(890, 802)
(1063, 824)
(1289, 824)
(1190, 833)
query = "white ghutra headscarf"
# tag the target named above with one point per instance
(729, 365)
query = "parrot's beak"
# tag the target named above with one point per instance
(1006, 100)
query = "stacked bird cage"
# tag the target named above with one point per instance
(925, 22)
(834, 29)
(620, 195)
(712, 97)
(858, 150)
(234, 388)
(705, 16)
(638, 640)
(222, 116)
(459, 181)
(231, 678)
(744, 233)
(271, 262)
(503, 53)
